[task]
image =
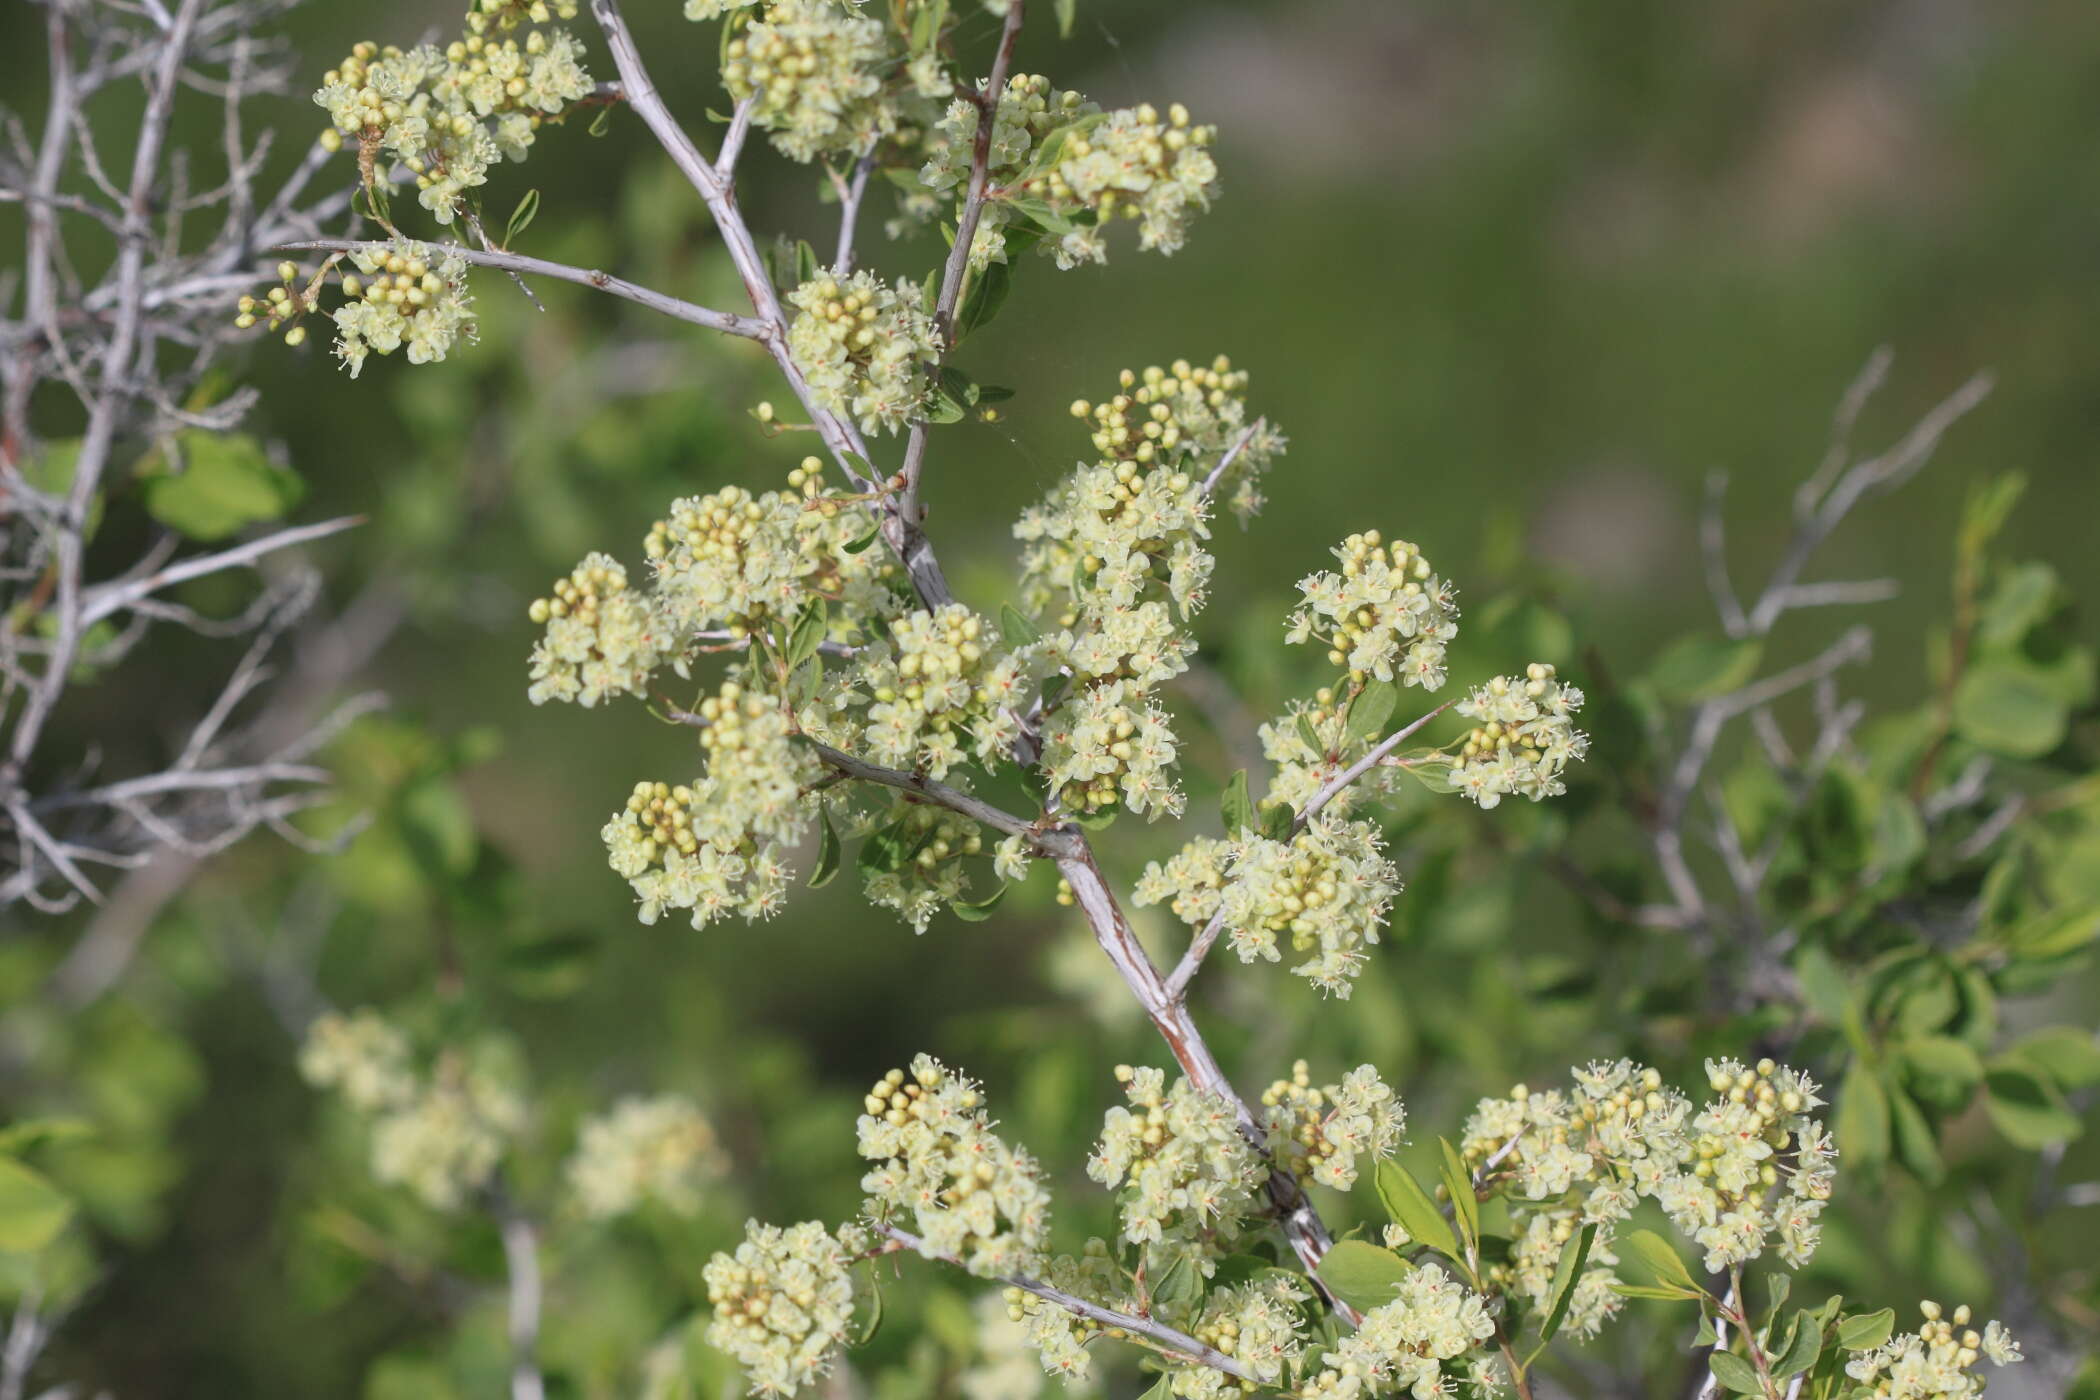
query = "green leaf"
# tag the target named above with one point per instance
(2054, 932)
(32, 1133)
(827, 852)
(2066, 1054)
(548, 969)
(874, 1309)
(1659, 1257)
(1015, 629)
(977, 913)
(32, 1210)
(1179, 1287)
(1236, 807)
(1458, 1185)
(805, 262)
(1414, 1211)
(857, 546)
(2026, 1108)
(1735, 1374)
(885, 851)
(1566, 1274)
(808, 633)
(521, 217)
(1867, 1330)
(988, 292)
(602, 123)
(1863, 1118)
(1823, 986)
(1371, 708)
(1067, 11)
(1801, 1354)
(926, 26)
(227, 482)
(1652, 1290)
(1277, 819)
(1309, 735)
(1915, 1145)
(1362, 1274)
(1040, 213)
(1700, 666)
(2001, 707)
(437, 827)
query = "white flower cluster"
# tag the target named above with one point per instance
(714, 847)
(1427, 1338)
(864, 346)
(1324, 1130)
(1006, 1367)
(940, 690)
(1525, 739)
(1327, 889)
(813, 66)
(1936, 1362)
(1534, 1260)
(657, 1150)
(1748, 1170)
(1030, 109)
(443, 1134)
(783, 1303)
(1109, 543)
(922, 847)
(700, 11)
(417, 297)
(1110, 743)
(745, 563)
(1257, 1324)
(1134, 164)
(1191, 416)
(1310, 744)
(945, 1175)
(1386, 614)
(449, 114)
(1188, 1176)
(1060, 1336)
(602, 639)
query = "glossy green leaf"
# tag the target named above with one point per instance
(1735, 1374)
(1362, 1274)
(1414, 1210)
(2025, 1107)
(521, 216)
(1236, 807)
(32, 1210)
(827, 865)
(1661, 1259)
(1701, 666)
(977, 913)
(226, 483)
(1458, 1185)
(1863, 1118)
(1567, 1272)
(1371, 709)
(2067, 1054)
(2001, 707)
(1867, 1330)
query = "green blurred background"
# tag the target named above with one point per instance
(1514, 277)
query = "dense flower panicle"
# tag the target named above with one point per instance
(1191, 416)
(1385, 614)
(449, 114)
(442, 1133)
(814, 67)
(1110, 743)
(1258, 1324)
(924, 847)
(942, 1173)
(416, 296)
(1187, 1175)
(602, 638)
(1534, 1261)
(1060, 1336)
(1006, 1367)
(700, 11)
(1030, 109)
(940, 691)
(739, 562)
(1308, 745)
(1109, 538)
(714, 846)
(1135, 163)
(1525, 738)
(864, 347)
(1322, 1131)
(783, 1304)
(657, 1150)
(1936, 1362)
(1325, 893)
(1418, 1344)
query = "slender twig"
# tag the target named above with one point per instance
(521, 1256)
(1231, 455)
(115, 596)
(851, 190)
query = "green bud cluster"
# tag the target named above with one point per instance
(1261, 1325)
(1385, 614)
(864, 347)
(1936, 1362)
(288, 301)
(1322, 1131)
(601, 639)
(814, 67)
(1030, 110)
(1135, 165)
(783, 1304)
(449, 114)
(410, 294)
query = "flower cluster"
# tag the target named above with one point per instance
(1257, 1324)
(713, 847)
(1327, 889)
(1308, 745)
(1110, 743)
(441, 1134)
(864, 347)
(449, 114)
(1188, 1176)
(1386, 614)
(287, 301)
(1409, 1345)
(1525, 737)
(1030, 110)
(1135, 164)
(602, 639)
(939, 684)
(743, 563)
(1749, 1169)
(1108, 538)
(658, 1150)
(812, 66)
(1324, 1130)
(1059, 1336)
(1936, 1362)
(916, 867)
(416, 296)
(944, 1173)
(1192, 416)
(782, 1304)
